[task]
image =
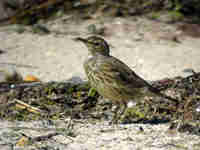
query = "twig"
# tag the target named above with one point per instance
(19, 65)
(44, 137)
(22, 105)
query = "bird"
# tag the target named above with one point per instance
(112, 78)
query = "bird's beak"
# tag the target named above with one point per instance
(81, 39)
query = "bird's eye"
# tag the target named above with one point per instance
(97, 44)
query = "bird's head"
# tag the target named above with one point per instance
(96, 45)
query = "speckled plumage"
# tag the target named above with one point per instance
(112, 78)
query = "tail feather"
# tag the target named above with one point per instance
(158, 92)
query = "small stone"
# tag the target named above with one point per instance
(10, 75)
(62, 139)
(31, 78)
(22, 142)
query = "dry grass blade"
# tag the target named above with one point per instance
(22, 105)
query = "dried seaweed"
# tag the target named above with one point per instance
(59, 100)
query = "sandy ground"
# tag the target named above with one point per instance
(98, 137)
(146, 46)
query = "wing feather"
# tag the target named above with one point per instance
(121, 73)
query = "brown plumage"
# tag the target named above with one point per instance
(112, 78)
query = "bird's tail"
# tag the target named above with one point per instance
(158, 92)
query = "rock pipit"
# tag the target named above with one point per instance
(112, 78)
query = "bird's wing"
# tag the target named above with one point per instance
(121, 74)
(122, 77)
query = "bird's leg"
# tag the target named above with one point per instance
(118, 113)
(122, 110)
(115, 117)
